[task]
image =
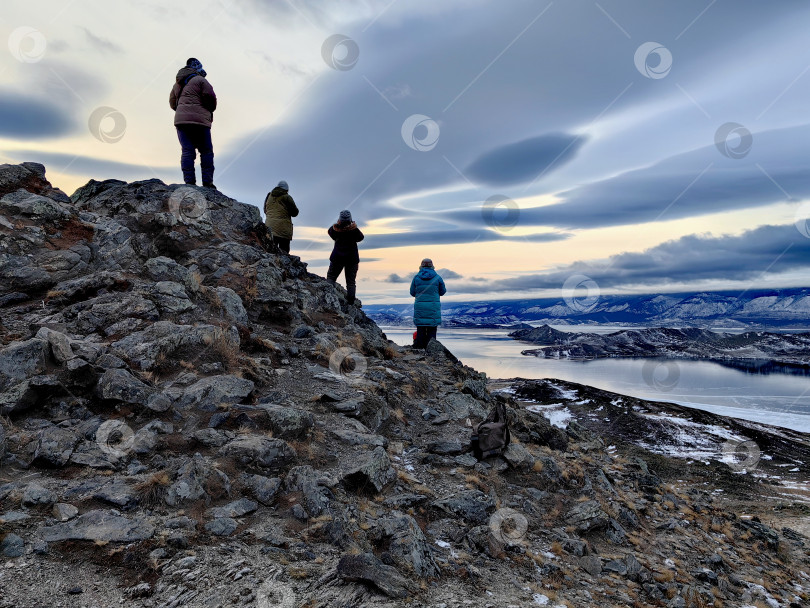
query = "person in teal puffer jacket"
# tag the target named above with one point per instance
(427, 287)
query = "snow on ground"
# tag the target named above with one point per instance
(689, 439)
(565, 393)
(557, 413)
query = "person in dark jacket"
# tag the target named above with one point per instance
(427, 287)
(345, 256)
(193, 100)
(279, 209)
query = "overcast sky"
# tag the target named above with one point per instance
(647, 145)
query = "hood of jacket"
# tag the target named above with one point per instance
(426, 274)
(185, 73)
(277, 192)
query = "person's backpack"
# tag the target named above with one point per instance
(491, 437)
(265, 237)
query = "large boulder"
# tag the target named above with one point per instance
(288, 422)
(262, 452)
(315, 495)
(21, 360)
(372, 475)
(587, 516)
(197, 479)
(366, 568)
(472, 506)
(167, 340)
(31, 177)
(54, 446)
(229, 302)
(406, 544)
(120, 385)
(210, 393)
(100, 526)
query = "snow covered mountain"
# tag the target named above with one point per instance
(769, 308)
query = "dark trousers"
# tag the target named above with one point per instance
(193, 138)
(349, 271)
(283, 244)
(423, 335)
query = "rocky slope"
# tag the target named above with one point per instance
(689, 343)
(188, 420)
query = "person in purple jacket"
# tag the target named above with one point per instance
(345, 256)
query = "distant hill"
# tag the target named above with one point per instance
(765, 307)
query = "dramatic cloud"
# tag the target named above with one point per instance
(525, 160)
(100, 169)
(746, 257)
(451, 237)
(101, 44)
(28, 117)
(448, 274)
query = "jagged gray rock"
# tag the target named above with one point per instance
(262, 452)
(197, 479)
(120, 385)
(587, 516)
(54, 446)
(372, 475)
(100, 525)
(368, 569)
(472, 505)
(287, 422)
(406, 544)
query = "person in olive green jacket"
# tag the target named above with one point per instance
(279, 209)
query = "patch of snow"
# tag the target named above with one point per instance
(443, 544)
(557, 414)
(683, 438)
(569, 394)
(540, 599)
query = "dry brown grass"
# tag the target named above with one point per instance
(152, 491)
(391, 352)
(667, 576)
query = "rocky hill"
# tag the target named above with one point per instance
(189, 420)
(791, 349)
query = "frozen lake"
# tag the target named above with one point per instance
(778, 398)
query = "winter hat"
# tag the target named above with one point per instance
(345, 216)
(283, 185)
(427, 263)
(195, 65)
